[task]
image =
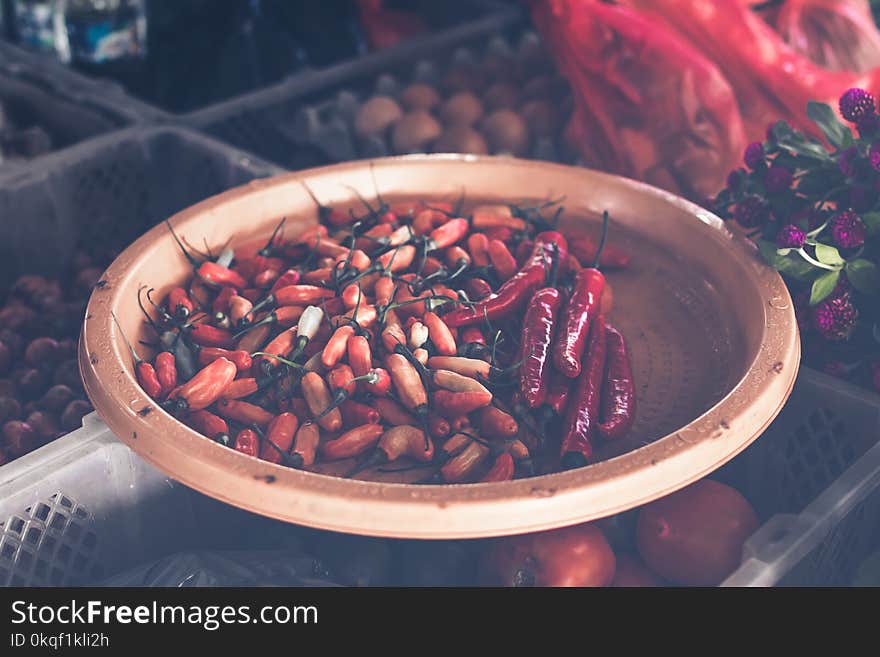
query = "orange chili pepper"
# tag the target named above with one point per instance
(341, 378)
(210, 425)
(459, 467)
(355, 414)
(466, 366)
(495, 423)
(502, 260)
(207, 385)
(241, 358)
(166, 371)
(407, 383)
(206, 335)
(448, 234)
(397, 442)
(305, 445)
(453, 404)
(240, 388)
(353, 442)
(393, 413)
(440, 334)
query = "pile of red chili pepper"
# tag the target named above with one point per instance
(396, 333)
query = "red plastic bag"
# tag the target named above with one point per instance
(839, 35)
(648, 104)
(770, 79)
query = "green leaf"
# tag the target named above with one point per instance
(823, 286)
(791, 265)
(824, 117)
(864, 275)
(872, 222)
(828, 255)
(783, 252)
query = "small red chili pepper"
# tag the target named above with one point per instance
(289, 277)
(384, 290)
(221, 302)
(301, 295)
(336, 345)
(355, 414)
(452, 404)
(440, 334)
(618, 391)
(207, 386)
(457, 257)
(265, 278)
(210, 425)
(502, 469)
(206, 335)
(536, 343)
(353, 442)
(382, 384)
(438, 426)
(146, 377)
(397, 260)
(166, 371)
(394, 443)
(408, 384)
(455, 382)
(579, 427)
(393, 413)
(241, 358)
(179, 303)
(459, 467)
(243, 412)
(478, 247)
(499, 233)
(453, 446)
(239, 308)
(241, 388)
(215, 274)
(493, 218)
(431, 265)
(523, 250)
(305, 445)
(359, 355)
(516, 291)
(470, 367)
(447, 234)
(279, 437)
(341, 377)
(578, 314)
(247, 442)
(319, 399)
(496, 424)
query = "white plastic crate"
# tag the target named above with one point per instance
(830, 429)
(86, 507)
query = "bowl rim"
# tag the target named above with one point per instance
(449, 510)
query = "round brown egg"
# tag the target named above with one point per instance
(462, 108)
(419, 97)
(376, 115)
(501, 95)
(542, 117)
(415, 132)
(506, 132)
(461, 139)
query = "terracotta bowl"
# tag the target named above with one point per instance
(712, 331)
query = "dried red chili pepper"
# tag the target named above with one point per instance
(539, 326)
(516, 291)
(618, 390)
(582, 416)
(557, 393)
(578, 314)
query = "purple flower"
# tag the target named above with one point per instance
(835, 317)
(847, 161)
(874, 156)
(752, 211)
(848, 230)
(754, 155)
(790, 237)
(777, 179)
(856, 103)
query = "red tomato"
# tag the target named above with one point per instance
(576, 556)
(695, 536)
